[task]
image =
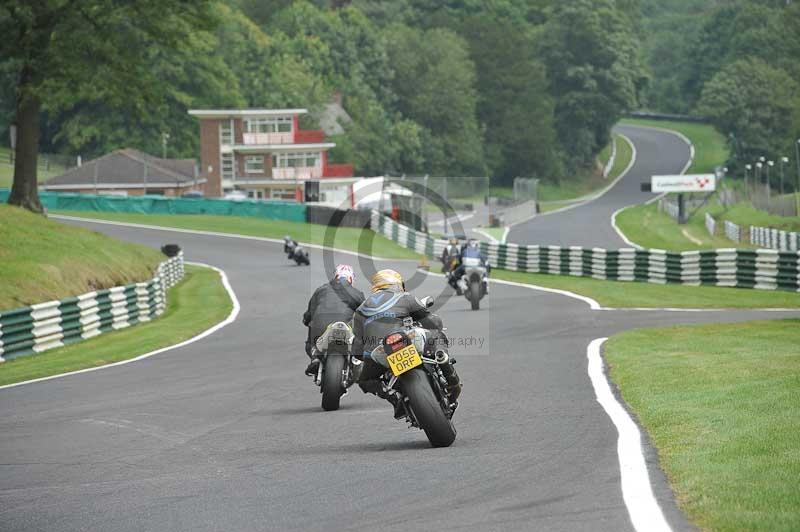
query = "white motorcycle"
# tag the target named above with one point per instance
(474, 283)
(337, 370)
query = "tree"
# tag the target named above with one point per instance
(514, 107)
(435, 87)
(755, 102)
(593, 65)
(59, 48)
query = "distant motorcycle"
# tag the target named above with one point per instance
(337, 369)
(474, 283)
(300, 256)
(296, 252)
(416, 381)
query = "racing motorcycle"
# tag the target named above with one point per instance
(337, 369)
(296, 252)
(474, 283)
(415, 381)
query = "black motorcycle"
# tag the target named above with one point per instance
(296, 252)
(416, 383)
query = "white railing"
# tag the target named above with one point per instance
(268, 138)
(733, 231)
(298, 172)
(711, 225)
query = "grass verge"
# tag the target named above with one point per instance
(622, 294)
(346, 238)
(194, 305)
(552, 196)
(646, 226)
(43, 260)
(710, 147)
(720, 404)
(745, 214)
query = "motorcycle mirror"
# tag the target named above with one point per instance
(428, 301)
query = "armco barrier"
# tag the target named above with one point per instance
(274, 210)
(743, 268)
(40, 327)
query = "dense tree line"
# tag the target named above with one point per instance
(734, 62)
(461, 87)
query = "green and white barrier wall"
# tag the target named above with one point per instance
(743, 268)
(40, 327)
(273, 210)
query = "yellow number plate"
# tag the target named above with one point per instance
(404, 360)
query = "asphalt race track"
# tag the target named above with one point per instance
(228, 434)
(657, 153)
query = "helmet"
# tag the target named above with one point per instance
(454, 241)
(387, 280)
(344, 272)
(473, 243)
(287, 238)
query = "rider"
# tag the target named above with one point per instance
(383, 313)
(470, 250)
(449, 252)
(289, 245)
(334, 301)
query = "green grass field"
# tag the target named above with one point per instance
(646, 226)
(711, 149)
(746, 214)
(43, 260)
(341, 238)
(495, 232)
(193, 306)
(720, 403)
(621, 294)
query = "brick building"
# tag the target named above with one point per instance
(262, 152)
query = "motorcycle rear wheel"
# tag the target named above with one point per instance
(426, 408)
(332, 385)
(475, 295)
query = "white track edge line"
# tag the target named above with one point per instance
(218, 233)
(211, 330)
(637, 492)
(594, 305)
(688, 142)
(487, 235)
(592, 197)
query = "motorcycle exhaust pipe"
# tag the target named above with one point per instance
(441, 357)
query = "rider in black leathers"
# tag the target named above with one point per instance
(334, 301)
(381, 314)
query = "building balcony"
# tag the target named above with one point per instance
(309, 136)
(297, 172)
(256, 139)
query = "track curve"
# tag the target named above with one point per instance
(227, 434)
(589, 225)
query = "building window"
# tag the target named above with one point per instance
(227, 166)
(278, 124)
(226, 132)
(295, 160)
(254, 164)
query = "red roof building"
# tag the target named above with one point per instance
(262, 152)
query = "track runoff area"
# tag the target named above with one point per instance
(227, 433)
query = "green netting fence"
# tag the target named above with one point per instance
(273, 210)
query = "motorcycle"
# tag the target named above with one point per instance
(337, 370)
(474, 283)
(297, 253)
(415, 381)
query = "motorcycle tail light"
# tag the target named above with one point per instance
(395, 341)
